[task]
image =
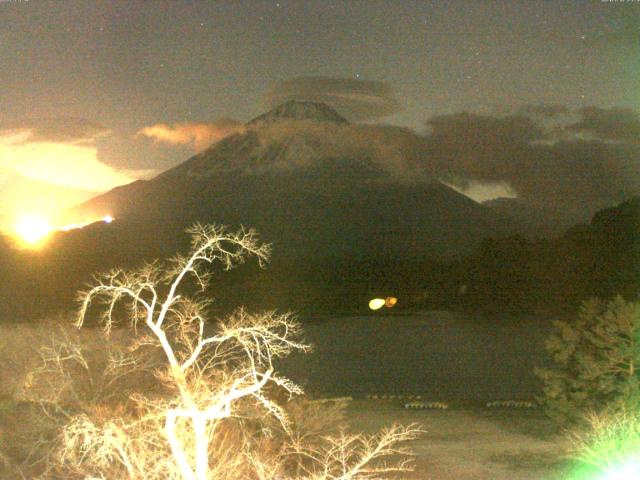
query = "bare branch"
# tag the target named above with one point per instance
(209, 375)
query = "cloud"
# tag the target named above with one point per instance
(47, 165)
(197, 134)
(140, 173)
(616, 124)
(355, 99)
(59, 151)
(581, 173)
(62, 164)
(544, 110)
(572, 173)
(483, 155)
(393, 151)
(56, 130)
(477, 147)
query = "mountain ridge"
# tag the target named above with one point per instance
(333, 214)
(252, 177)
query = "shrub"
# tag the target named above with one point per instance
(597, 361)
(609, 443)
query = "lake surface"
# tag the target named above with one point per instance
(441, 355)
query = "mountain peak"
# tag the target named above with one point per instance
(300, 110)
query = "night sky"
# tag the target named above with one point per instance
(95, 94)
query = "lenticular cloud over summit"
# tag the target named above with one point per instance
(355, 99)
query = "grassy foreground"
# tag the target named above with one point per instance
(459, 443)
(473, 443)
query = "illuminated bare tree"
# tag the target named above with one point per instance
(195, 384)
(248, 343)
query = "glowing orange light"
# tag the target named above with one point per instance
(390, 301)
(33, 229)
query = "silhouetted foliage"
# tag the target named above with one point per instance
(555, 275)
(597, 359)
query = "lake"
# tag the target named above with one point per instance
(441, 355)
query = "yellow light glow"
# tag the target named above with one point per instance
(65, 165)
(46, 178)
(71, 226)
(376, 303)
(32, 229)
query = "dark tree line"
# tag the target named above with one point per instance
(513, 274)
(516, 274)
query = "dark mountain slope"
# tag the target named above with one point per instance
(305, 198)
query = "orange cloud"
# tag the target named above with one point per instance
(199, 134)
(47, 167)
(61, 164)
